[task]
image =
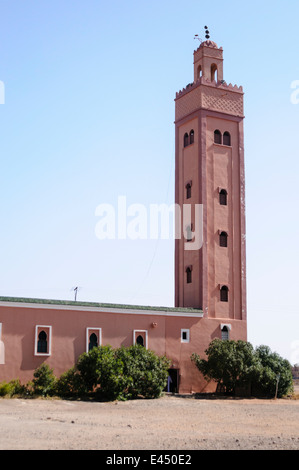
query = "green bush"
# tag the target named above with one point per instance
(115, 374)
(235, 364)
(146, 373)
(102, 373)
(229, 363)
(12, 388)
(70, 384)
(4, 389)
(274, 369)
(44, 382)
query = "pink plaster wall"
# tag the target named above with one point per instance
(69, 339)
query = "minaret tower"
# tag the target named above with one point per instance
(210, 175)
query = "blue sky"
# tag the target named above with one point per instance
(88, 117)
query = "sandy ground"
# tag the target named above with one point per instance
(169, 423)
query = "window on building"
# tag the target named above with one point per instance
(191, 141)
(188, 190)
(226, 138)
(42, 340)
(223, 197)
(42, 343)
(217, 137)
(223, 239)
(93, 338)
(199, 72)
(186, 140)
(189, 275)
(140, 340)
(224, 294)
(93, 341)
(185, 336)
(225, 333)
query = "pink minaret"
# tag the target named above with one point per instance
(209, 172)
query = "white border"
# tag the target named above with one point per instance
(49, 340)
(99, 330)
(184, 330)
(140, 331)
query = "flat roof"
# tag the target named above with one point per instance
(90, 305)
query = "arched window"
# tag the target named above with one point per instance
(224, 294)
(217, 137)
(199, 72)
(223, 239)
(186, 140)
(226, 138)
(189, 275)
(42, 344)
(223, 197)
(214, 72)
(140, 340)
(225, 333)
(188, 190)
(191, 141)
(93, 341)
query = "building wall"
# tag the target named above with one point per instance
(68, 338)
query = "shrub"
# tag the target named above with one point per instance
(70, 384)
(116, 374)
(101, 372)
(104, 373)
(237, 363)
(12, 388)
(274, 368)
(146, 373)
(44, 381)
(229, 363)
(4, 389)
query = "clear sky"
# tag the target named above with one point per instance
(89, 116)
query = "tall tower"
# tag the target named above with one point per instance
(210, 175)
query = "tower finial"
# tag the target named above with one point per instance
(207, 32)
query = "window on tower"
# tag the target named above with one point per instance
(217, 137)
(189, 233)
(192, 137)
(225, 333)
(189, 274)
(214, 72)
(224, 294)
(188, 190)
(226, 138)
(223, 197)
(186, 140)
(223, 239)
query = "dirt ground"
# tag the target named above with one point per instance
(168, 423)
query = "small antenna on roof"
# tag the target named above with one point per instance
(207, 32)
(75, 289)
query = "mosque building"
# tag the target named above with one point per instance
(210, 257)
